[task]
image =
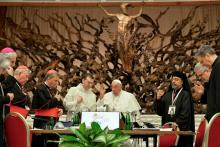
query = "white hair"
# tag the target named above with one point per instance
(19, 71)
(9, 55)
(204, 50)
(4, 63)
(117, 82)
(199, 67)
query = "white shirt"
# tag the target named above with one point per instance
(88, 102)
(124, 102)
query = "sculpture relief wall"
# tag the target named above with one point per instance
(73, 40)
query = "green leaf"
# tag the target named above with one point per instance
(80, 135)
(96, 127)
(110, 137)
(68, 138)
(119, 140)
(82, 128)
(54, 141)
(66, 144)
(93, 137)
(106, 130)
(72, 130)
(70, 144)
(101, 138)
(117, 132)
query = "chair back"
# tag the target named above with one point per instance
(200, 134)
(168, 140)
(17, 131)
(213, 132)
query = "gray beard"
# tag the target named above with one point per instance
(174, 86)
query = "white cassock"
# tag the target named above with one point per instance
(124, 102)
(70, 101)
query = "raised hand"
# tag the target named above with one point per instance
(160, 93)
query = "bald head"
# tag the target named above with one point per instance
(116, 87)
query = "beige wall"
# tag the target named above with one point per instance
(209, 13)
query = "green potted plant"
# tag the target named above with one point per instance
(93, 137)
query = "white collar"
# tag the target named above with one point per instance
(118, 95)
(81, 88)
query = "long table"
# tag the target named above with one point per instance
(136, 133)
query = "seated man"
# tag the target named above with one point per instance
(121, 101)
(81, 97)
(21, 76)
(44, 98)
(176, 105)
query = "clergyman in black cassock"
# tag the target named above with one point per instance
(5, 98)
(44, 98)
(7, 85)
(213, 91)
(15, 86)
(207, 56)
(20, 99)
(183, 103)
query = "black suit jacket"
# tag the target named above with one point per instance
(3, 100)
(11, 85)
(43, 99)
(183, 116)
(7, 83)
(213, 90)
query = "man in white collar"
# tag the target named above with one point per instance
(81, 97)
(21, 75)
(121, 101)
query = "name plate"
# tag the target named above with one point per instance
(105, 119)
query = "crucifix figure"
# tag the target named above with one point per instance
(124, 35)
(123, 18)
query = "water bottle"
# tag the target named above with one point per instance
(51, 123)
(76, 119)
(128, 123)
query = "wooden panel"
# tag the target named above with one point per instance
(110, 4)
(2, 18)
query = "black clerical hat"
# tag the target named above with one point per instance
(179, 75)
(182, 76)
